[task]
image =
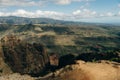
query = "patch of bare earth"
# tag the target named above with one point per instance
(91, 71)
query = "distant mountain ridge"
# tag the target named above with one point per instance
(25, 20)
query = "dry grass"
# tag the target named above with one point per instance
(76, 75)
(92, 71)
(65, 40)
(51, 33)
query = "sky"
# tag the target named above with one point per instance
(103, 11)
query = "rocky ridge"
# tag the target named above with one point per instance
(23, 57)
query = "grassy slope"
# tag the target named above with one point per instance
(64, 39)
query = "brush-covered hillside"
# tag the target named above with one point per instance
(47, 49)
(100, 39)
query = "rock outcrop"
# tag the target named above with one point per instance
(4, 68)
(23, 57)
(16, 76)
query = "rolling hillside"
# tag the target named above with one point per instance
(65, 38)
(27, 45)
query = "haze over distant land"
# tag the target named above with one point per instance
(100, 11)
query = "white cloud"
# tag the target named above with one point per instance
(119, 5)
(5, 3)
(84, 13)
(75, 15)
(65, 2)
(119, 13)
(22, 13)
(1, 14)
(36, 14)
(110, 14)
(77, 12)
(49, 14)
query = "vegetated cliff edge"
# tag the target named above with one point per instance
(23, 57)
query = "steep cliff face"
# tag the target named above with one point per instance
(4, 68)
(23, 57)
